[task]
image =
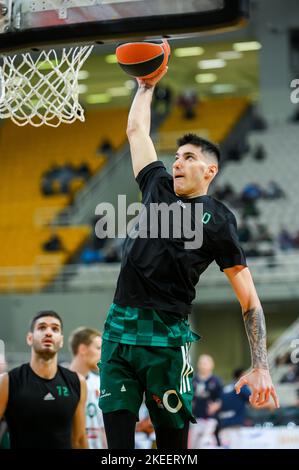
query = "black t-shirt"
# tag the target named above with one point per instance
(205, 392)
(162, 273)
(40, 411)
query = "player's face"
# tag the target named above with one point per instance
(92, 353)
(46, 338)
(205, 365)
(190, 171)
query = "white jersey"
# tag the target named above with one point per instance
(94, 416)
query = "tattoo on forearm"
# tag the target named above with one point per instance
(256, 331)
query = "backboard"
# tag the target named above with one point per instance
(27, 24)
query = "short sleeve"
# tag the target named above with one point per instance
(149, 174)
(228, 251)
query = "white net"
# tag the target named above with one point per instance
(43, 89)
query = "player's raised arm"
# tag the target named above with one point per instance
(139, 123)
(258, 379)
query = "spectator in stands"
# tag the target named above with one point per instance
(249, 209)
(54, 243)
(260, 153)
(232, 413)
(83, 171)
(47, 184)
(292, 374)
(274, 191)
(262, 233)
(106, 148)
(112, 255)
(285, 240)
(244, 232)
(227, 193)
(90, 255)
(284, 359)
(66, 174)
(99, 235)
(259, 123)
(188, 101)
(162, 100)
(238, 150)
(296, 240)
(234, 155)
(54, 171)
(251, 192)
(206, 403)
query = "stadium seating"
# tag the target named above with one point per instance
(281, 165)
(26, 153)
(214, 119)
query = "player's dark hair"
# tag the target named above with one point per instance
(205, 145)
(45, 313)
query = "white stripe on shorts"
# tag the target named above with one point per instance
(186, 369)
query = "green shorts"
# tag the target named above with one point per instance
(163, 375)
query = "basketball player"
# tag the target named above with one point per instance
(85, 344)
(146, 336)
(44, 403)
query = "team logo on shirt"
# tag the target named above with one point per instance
(171, 401)
(206, 218)
(104, 394)
(49, 397)
(91, 410)
(158, 401)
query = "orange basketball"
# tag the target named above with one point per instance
(144, 59)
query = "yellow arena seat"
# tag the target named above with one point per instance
(26, 153)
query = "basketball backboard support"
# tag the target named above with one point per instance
(29, 24)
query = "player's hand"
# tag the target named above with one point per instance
(260, 383)
(154, 80)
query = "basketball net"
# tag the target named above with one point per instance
(43, 89)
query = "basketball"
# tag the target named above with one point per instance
(143, 59)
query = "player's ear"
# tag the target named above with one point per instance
(82, 349)
(29, 338)
(61, 341)
(212, 171)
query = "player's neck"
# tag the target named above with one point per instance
(45, 368)
(78, 365)
(202, 191)
(196, 194)
(205, 376)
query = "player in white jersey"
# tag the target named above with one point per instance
(85, 344)
(94, 416)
